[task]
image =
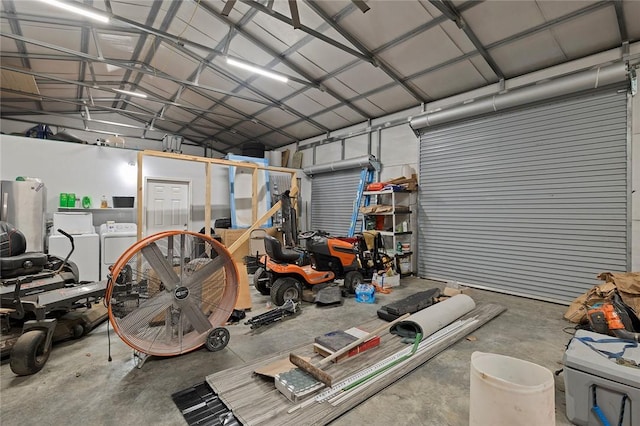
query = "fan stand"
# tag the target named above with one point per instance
(139, 358)
(217, 339)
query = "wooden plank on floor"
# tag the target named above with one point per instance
(255, 400)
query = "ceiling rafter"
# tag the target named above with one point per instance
(622, 26)
(143, 68)
(14, 24)
(274, 102)
(240, 30)
(225, 42)
(179, 44)
(271, 101)
(24, 97)
(153, 97)
(400, 39)
(280, 17)
(182, 42)
(151, 17)
(510, 39)
(190, 58)
(450, 11)
(282, 58)
(384, 67)
(84, 48)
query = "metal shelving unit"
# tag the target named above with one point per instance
(399, 221)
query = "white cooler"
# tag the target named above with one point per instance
(587, 370)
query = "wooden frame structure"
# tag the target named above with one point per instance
(208, 162)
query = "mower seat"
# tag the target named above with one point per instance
(14, 259)
(275, 251)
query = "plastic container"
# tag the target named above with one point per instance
(365, 293)
(123, 202)
(63, 199)
(71, 199)
(510, 391)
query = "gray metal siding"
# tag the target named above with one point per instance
(332, 198)
(530, 202)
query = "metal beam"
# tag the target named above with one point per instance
(507, 40)
(28, 97)
(295, 16)
(14, 24)
(384, 67)
(135, 55)
(228, 7)
(237, 28)
(123, 64)
(400, 39)
(281, 58)
(622, 26)
(310, 31)
(450, 11)
(84, 48)
(152, 98)
(207, 61)
(364, 8)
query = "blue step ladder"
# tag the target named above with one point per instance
(366, 177)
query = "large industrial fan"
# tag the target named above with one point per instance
(169, 293)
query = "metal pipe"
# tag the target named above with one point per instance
(591, 79)
(352, 163)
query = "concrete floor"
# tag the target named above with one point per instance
(78, 385)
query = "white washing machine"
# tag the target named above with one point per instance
(115, 238)
(86, 254)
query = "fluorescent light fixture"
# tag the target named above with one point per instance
(79, 11)
(126, 92)
(257, 70)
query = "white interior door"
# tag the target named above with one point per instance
(168, 205)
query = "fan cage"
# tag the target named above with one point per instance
(147, 316)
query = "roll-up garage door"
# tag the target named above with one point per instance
(332, 198)
(530, 202)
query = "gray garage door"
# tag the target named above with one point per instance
(332, 198)
(530, 202)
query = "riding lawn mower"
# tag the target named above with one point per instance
(41, 301)
(285, 272)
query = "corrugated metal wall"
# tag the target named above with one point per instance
(530, 202)
(332, 198)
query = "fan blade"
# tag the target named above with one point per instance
(161, 266)
(361, 5)
(227, 7)
(204, 272)
(295, 16)
(139, 319)
(198, 319)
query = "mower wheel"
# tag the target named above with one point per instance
(352, 280)
(29, 353)
(261, 281)
(286, 288)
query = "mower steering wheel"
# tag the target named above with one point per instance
(307, 234)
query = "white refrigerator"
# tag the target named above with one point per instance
(23, 204)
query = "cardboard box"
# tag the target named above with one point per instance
(386, 281)
(450, 291)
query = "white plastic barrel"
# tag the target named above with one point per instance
(510, 391)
